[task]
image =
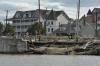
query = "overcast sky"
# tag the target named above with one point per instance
(69, 6)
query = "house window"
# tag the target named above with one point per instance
(22, 26)
(25, 21)
(52, 29)
(22, 20)
(18, 33)
(26, 26)
(48, 29)
(18, 27)
(35, 19)
(32, 20)
(98, 18)
(27, 15)
(16, 21)
(98, 25)
(52, 23)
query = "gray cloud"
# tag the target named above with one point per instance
(72, 3)
(69, 6)
(7, 6)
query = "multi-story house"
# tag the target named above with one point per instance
(49, 18)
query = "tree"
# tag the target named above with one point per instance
(9, 29)
(36, 29)
(1, 28)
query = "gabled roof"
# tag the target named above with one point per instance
(52, 16)
(96, 10)
(45, 14)
(20, 13)
(58, 13)
(89, 12)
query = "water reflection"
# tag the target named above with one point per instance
(48, 60)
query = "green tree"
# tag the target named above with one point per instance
(36, 29)
(9, 29)
(1, 28)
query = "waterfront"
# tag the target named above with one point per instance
(48, 60)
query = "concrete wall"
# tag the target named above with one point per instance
(12, 45)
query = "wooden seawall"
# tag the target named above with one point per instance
(58, 43)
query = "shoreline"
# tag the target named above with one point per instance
(45, 55)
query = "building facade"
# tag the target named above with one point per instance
(90, 24)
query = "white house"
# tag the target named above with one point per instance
(49, 18)
(54, 19)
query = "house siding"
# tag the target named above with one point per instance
(62, 20)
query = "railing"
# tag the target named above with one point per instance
(46, 38)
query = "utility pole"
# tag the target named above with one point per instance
(39, 9)
(96, 31)
(77, 20)
(6, 21)
(45, 20)
(78, 9)
(6, 16)
(39, 19)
